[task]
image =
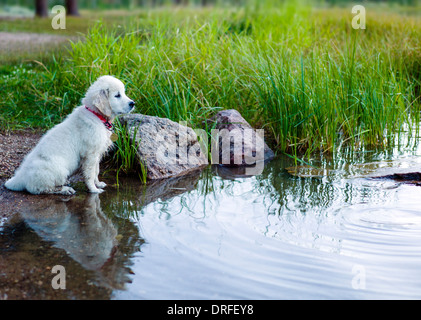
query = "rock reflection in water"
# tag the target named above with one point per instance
(132, 195)
(230, 173)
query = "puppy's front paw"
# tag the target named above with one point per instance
(101, 184)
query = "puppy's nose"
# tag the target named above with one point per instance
(131, 104)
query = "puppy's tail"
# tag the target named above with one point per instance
(14, 184)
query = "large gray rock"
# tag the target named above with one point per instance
(238, 143)
(168, 149)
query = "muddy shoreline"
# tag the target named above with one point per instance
(13, 148)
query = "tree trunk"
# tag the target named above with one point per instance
(71, 8)
(41, 8)
(181, 2)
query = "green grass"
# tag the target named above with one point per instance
(124, 155)
(303, 74)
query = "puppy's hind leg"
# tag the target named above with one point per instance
(64, 190)
(47, 182)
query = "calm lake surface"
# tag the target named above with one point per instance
(331, 233)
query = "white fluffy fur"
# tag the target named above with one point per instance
(78, 142)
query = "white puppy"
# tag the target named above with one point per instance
(78, 142)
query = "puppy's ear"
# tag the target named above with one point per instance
(102, 102)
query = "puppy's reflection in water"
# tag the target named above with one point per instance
(78, 226)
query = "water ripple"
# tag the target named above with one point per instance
(282, 239)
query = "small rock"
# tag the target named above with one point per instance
(246, 145)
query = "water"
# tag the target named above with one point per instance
(336, 234)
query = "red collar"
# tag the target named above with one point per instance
(106, 123)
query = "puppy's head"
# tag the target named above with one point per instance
(107, 95)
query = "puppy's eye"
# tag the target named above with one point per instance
(118, 95)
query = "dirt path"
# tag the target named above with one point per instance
(30, 46)
(18, 41)
(15, 40)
